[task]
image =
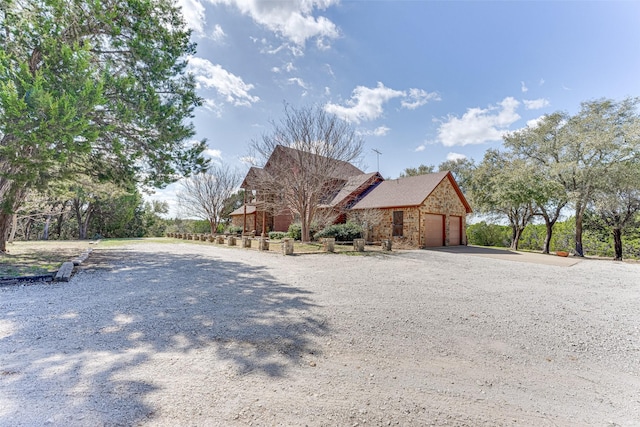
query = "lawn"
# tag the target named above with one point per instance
(38, 258)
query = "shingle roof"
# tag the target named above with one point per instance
(251, 209)
(408, 191)
(255, 177)
(340, 169)
(352, 184)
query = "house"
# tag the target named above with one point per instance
(343, 184)
(424, 210)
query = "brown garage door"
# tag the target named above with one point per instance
(434, 230)
(455, 223)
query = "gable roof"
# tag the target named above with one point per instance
(255, 176)
(408, 191)
(340, 169)
(352, 184)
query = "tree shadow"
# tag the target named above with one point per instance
(74, 345)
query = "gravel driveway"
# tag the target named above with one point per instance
(185, 334)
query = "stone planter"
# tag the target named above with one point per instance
(329, 244)
(263, 244)
(287, 246)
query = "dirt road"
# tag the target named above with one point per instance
(183, 334)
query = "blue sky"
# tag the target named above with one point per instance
(421, 81)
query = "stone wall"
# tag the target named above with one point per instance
(443, 200)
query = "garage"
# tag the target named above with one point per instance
(434, 230)
(455, 228)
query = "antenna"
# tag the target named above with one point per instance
(377, 157)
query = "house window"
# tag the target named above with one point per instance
(398, 222)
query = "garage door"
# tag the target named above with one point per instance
(434, 229)
(455, 223)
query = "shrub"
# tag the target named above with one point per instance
(483, 234)
(234, 229)
(295, 231)
(341, 232)
(277, 235)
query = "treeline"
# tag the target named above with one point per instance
(586, 165)
(596, 241)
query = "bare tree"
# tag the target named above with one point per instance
(204, 195)
(367, 219)
(305, 158)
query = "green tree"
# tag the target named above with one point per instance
(502, 187)
(420, 170)
(580, 151)
(541, 147)
(617, 203)
(93, 87)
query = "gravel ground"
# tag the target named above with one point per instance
(183, 334)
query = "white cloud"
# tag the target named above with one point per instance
(193, 12)
(213, 153)
(533, 123)
(523, 87)
(535, 104)
(455, 156)
(418, 97)
(231, 87)
(249, 160)
(292, 20)
(421, 147)
(478, 126)
(379, 131)
(298, 81)
(218, 34)
(365, 103)
(213, 106)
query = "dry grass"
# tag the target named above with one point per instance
(38, 257)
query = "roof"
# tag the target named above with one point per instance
(251, 209)
(340, 169)
(255, 176)
(352, 184)
(408, 191)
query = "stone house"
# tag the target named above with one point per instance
(424, 210)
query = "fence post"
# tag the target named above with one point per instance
(263, 244)
(328, 244)
(287, 246)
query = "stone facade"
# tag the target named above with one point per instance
(443, 200)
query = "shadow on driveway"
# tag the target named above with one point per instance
(70, 348)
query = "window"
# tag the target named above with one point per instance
(398, 222)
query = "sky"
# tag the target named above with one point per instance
(421, 81)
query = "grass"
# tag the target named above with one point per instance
(38, 258)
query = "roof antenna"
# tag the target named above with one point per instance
(377, 157)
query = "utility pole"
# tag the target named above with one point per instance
(377, 157)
